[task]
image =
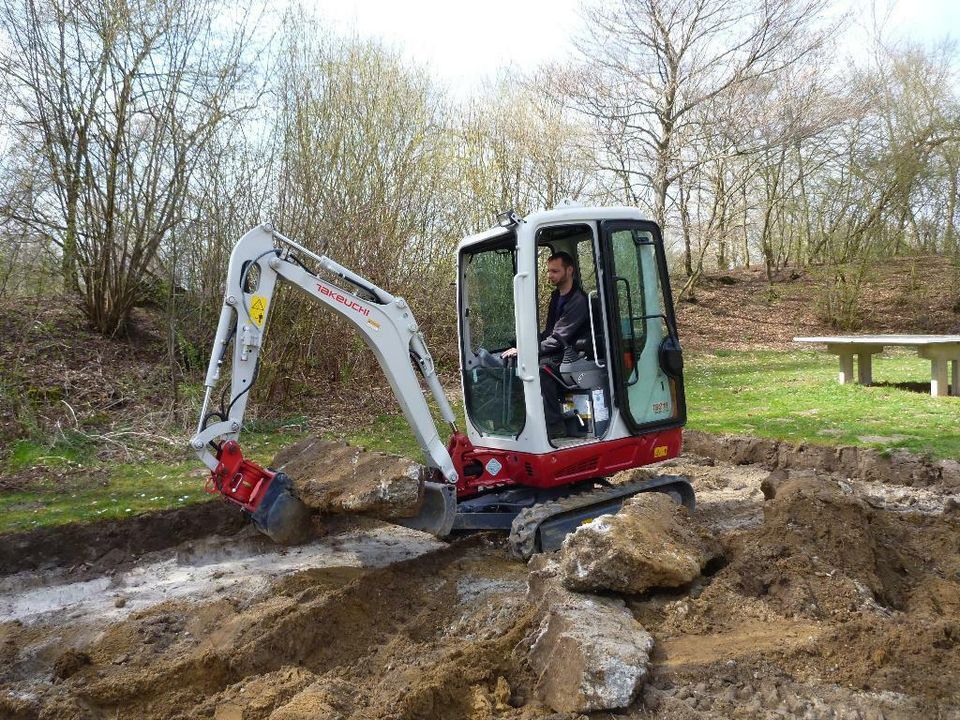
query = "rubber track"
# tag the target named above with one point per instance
(523, 533)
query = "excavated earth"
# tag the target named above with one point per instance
(834, 598)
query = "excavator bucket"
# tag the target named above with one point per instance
(281, 516)
(437, 511)
(285, 519)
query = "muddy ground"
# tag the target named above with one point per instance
(835, 599)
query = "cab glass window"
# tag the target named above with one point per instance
(493, 392)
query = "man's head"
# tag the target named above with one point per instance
(560, 271)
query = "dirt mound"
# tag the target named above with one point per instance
(425, 639)
(900, 467)
(104, 545)
(741, 310)
(835, 598)
(870, 598)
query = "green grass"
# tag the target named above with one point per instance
(786, 396)
(117, 490)
(391, 434)
(386, 433)
(72, 449)
(796, 397)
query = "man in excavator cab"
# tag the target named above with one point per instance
(567, 322)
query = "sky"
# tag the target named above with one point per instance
(462, 43)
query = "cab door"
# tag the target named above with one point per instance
(646, 361)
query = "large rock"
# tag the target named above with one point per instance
(588, 652)
(335, 477)
(648, 544)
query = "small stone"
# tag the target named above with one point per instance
(119, 601)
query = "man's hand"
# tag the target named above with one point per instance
(509, 353)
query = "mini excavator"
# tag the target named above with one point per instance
(622, 383)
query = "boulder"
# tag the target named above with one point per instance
(588, 652)
(334, 477)
(647, 544)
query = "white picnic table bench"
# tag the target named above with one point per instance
(938, 349)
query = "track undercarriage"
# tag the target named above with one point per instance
(538, 520)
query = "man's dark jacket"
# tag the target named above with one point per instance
(563, 329)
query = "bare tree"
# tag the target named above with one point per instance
(649, 65)
(517, 147)
(117, 97)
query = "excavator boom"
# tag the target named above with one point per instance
(387, 325)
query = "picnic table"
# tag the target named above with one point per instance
(941, 350)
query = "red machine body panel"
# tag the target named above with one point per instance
(481, 469)
(237, 479)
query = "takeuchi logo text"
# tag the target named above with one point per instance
(343, 299)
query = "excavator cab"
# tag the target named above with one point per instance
(621, 380)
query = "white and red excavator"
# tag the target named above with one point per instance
(621, 382)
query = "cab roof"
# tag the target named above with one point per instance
(561, 214)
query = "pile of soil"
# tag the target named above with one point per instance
(434, 637)
(828, 589)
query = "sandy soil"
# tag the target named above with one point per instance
(836, 599)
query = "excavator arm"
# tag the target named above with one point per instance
(261, 258)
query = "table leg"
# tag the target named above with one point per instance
(846, 368)
(865, 368)
(938, 377)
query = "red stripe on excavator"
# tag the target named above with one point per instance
(561, 467)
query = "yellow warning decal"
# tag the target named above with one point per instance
(258, 309)
(374, 324)
(661, 451)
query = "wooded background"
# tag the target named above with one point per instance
(142, 138)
